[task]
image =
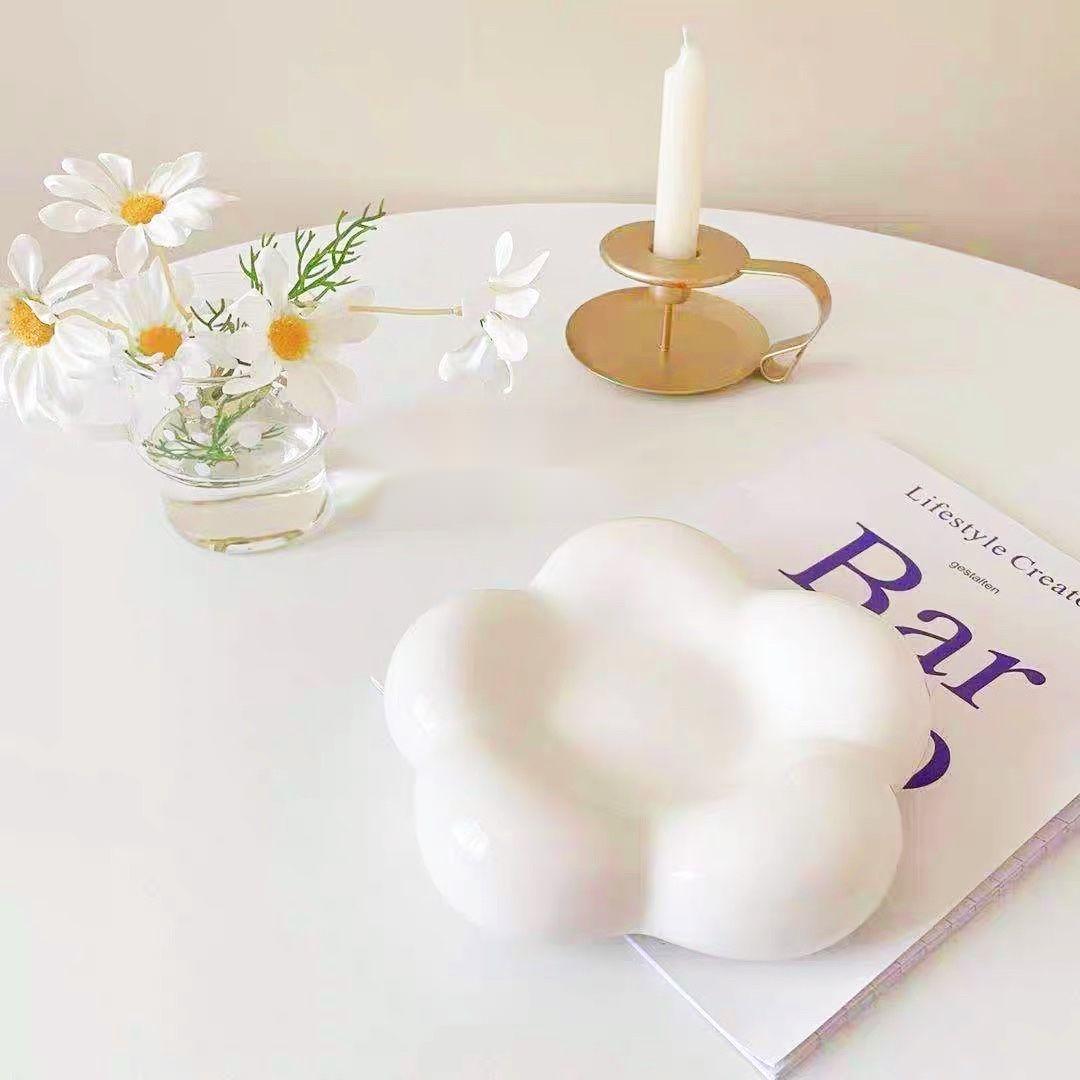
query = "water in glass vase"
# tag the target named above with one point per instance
(241, 474)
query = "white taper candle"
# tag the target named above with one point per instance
(682, 152)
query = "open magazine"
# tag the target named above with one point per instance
(993, 613)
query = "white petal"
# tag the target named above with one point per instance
(25, 262)
(45, 405)
(75, 187)
(466, 360)
(518, 279)
(261, 373)
(91, 218)
(504, 249)
(73, 276)
(62, 216)
(185, 170)
(120, 169)
(59, 395)
(152, 289)
(21, 386)
(161, 176)
(307, 390)
(118, 301)
(10, 350)
(332, 321)
(348, 326)
(517, 302)
(85, 345)
(73, 217)
(510, 341)
(165, 232)
(202, 197)
(264, 371)
(275, 275)
(251, 308)
(361, 295)
(193, 359)
(132, 250)
(184, 282)
(188, 213)
(169, 377)
(341, 378)
(249, 347)
(95, 174)
(215, 347)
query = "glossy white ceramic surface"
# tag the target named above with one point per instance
(642, 741)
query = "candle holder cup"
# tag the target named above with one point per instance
(666, 336)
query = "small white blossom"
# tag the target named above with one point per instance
(144, 305)
(43, 357)
(164, 211)
(301, 342)
(513, 299)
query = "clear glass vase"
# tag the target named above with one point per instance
(240, 472)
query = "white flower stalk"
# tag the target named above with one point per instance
(161, 213)
(46, 345)
(300, 341)
(513, 299)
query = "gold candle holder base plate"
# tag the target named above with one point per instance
(714, 343)
(670, 337)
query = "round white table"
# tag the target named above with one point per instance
(207, 866)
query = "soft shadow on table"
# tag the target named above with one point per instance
(814, 368)
(481, 464)
(355, 488)
(469, 499)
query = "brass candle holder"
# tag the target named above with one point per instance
(667, 336)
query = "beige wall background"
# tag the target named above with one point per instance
(951, 121)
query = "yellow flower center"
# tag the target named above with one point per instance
(160, 339)
(26, 327)
(289, 336)
(139, 209)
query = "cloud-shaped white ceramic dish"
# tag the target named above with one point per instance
(640, 741)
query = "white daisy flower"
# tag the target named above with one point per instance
(42, 356)
(301, 342)
(513, 299)
(146, 307)
(162, 212)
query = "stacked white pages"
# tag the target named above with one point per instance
(993, 612)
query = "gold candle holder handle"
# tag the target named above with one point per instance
(667, 336)
(770, 367)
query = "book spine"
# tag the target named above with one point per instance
(1046, 840)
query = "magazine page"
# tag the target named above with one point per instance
(992, 612)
